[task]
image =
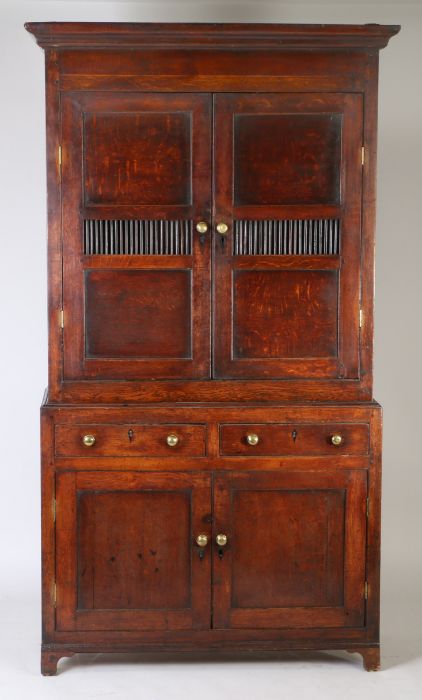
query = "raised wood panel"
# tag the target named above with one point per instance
(125, 555)
(138, 313)
(295, 555)
(137, 158)
(285, 314)
(286, 158)
(285, 542)
(126, 552)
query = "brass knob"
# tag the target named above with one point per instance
(221, 540)
(222, 228)
(202, 227)
(336, 440)
(202, 540)
(88, 440)
(172, 440)
(252, 439)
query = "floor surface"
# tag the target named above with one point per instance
(336, 675)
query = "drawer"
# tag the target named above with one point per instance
(129, 440)
(276, 439)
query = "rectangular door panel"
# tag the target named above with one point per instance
(125, 544)
(272, 311)
(295, 555)
(138, 314)
(136, 275)
(287, 181)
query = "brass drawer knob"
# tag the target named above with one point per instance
(202, 540)
(252, 439)
(221, 540)
(336, 440)
(202, 227)
(88, 440)
(222, 228)
(172, 440)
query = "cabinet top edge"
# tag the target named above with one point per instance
(219, 35)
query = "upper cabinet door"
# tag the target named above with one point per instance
(136, 182)
(287, 177)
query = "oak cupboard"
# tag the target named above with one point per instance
(211, 447)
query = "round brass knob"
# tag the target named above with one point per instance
(252, 439)
(222, 228)
(336, 440)
(202, 227)
(172, 440)
(88, 440)
(221, 540)
(202, 540)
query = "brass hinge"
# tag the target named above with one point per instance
(61, 318)
(360, 318)
(366, 590)
(363, 155)
(59, 157)
(367, 507)
(54, 594)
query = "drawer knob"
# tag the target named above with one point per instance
(202, 540)
(88, 440)
(172, 440)
(222, 228)
(221, 540)
(202, 227)
(336, 440)
(252, 439)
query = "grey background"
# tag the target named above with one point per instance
(23, 349)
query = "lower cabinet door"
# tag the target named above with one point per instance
(295, 552)
(126, 556)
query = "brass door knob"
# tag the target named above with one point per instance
(222, 228)
(252, 439)
(172, 440)
(88, 440)
(202, 540)
(336, 440)
(202, 227)
(221, 540)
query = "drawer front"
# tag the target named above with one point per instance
(130, 440)
(277, 439)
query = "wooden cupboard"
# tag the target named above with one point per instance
(210, 442)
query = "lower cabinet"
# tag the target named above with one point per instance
(277, 549)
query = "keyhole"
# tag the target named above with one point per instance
(130, 434)
(294, 435)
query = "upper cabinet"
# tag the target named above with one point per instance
(211, 211)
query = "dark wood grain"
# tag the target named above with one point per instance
(260, 328)
(138, 313)
(124, 550)
(208, 337)
(130, 439)
(286, 159)
(262, 578)
(137, 158)
(294, 439)
(274, 311)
